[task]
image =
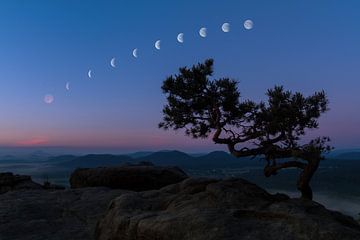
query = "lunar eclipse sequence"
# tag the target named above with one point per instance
(225, 27)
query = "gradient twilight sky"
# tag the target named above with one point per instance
(304, 45)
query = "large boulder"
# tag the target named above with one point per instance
(136, 178)
(10, 182)
(53, 215)
(232, 209)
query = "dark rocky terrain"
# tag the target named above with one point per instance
(53, 215)
(233, 209)
(11, 182)
(133, 177)
(190, 209)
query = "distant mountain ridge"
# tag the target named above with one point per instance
(94, 160)
(163, 158)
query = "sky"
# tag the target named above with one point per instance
(304, 45)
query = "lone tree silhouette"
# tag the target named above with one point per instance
(272, 129)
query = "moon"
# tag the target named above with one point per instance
(48, 98)
(135, 53)
(67, 86)
(203, 32)
(112, 62)
(180, 37)
(90, 73)
(248, 24)
(225, 27)
(157, 44)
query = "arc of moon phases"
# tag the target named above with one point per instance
(225, 27)
(112, 62)
(248, 24)
(180, 37)
(48, 98)
(203, 32)
(158, 44)
(67, 86)
(135, 53)
(90, 74)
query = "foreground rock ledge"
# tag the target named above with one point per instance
(53, 215)
(135, 178)
(207, 209)
(11, 182)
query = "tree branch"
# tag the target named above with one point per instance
(272, 169)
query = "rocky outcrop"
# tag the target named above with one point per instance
(53, 215)
(136, 178)
(10, 182)
(208, 209)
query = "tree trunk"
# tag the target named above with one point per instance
(303, 183)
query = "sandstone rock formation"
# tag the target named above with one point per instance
(136, 178)
(9, 182)
(53, 215)
(208, 209)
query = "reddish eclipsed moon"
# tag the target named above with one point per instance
(49, 98)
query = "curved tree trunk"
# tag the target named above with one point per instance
(303, 183)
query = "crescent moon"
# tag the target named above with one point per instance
(157, 44)
(89, 73)
(180, 37)
(248, 24)
(67, 86)
(135, 53)
(112, 62)
(226, 27)
(203, 32)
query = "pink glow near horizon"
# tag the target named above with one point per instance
(35, 141)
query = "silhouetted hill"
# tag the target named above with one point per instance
(167, 158)
(217, 159)
(61, 158)
(139, 154)
(211, 160)
(96, 160)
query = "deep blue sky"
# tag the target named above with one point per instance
(303, 45)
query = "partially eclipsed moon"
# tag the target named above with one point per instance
(112, 62)
(226, 27)
(157, 44)
(180, 37)
(48, 99)
(203, 32)
(67, 86)
(89, 73)
(248, 24)
(135, 52)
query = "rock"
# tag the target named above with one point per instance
(10, 182)
(53, 215)
(209, 209)
(136, 178)
(50, 186)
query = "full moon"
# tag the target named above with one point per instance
(203, 32)
(112, 62)
(226, 27)
(48, 99)
(135, 53)
(67, 86)
(89, 73)
(180, 37)
(157, 44)
(248, 24)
